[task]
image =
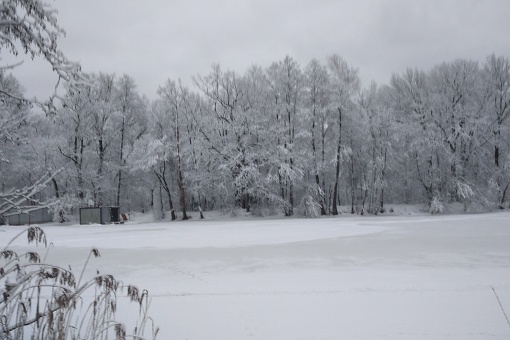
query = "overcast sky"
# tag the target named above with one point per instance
(153, 40)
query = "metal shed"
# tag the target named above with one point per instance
(36, 216)
(99, 215)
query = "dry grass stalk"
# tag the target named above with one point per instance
(44, 301)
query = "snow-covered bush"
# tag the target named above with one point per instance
(65, 208)
(265, 210)
(436, 206)
(310, 207)
(40, 300)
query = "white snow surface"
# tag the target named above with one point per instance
(384, 277)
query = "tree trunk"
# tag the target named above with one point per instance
(316, 167)
(77, 159)
(162, 180)
(79, 167)
(503, 197)
(61, 217)
(290, 208)
(353, 195)
(323, 157)
(246, 202)
(152, 199)
(99, 189)
(383, 174)
(497, 134)
(121, 163)
(322, 203)
(179, 173)
(55, 186)
(282, 189)
(334, 210)
(291, 193)
(160, 198)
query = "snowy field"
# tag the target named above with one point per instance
(390, 277)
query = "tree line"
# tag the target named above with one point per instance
(285, 138)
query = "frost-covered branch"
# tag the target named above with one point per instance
(30, 27)
(15, 198)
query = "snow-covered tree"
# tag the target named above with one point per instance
(410, 98)
(153, 152)
(13, 116)
(442, 114)
(30, 27)
(317, 103)
(230, 128)
(97, 126)
(73, 131)
(176, 104)
(286, 93)
(344, 84)
(455, 112)
(130, 123)
(377, 126)
(496, 78)
(298, 139)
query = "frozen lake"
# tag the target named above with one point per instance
(390, 277)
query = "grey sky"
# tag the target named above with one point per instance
(153, 40)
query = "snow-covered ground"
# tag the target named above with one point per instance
(389, 277)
